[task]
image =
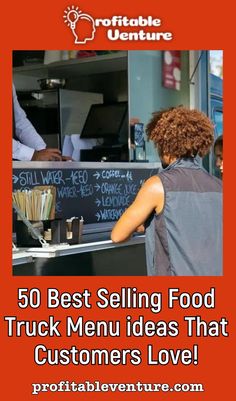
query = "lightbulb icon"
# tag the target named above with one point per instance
(71, 16)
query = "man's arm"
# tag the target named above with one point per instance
(21, 151)
(31, 146)
(150, 198)
(24, 153)
(24, 130)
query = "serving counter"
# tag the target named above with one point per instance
(21, 257)
(100, 192)
(102, 258)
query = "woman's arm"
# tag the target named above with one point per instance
(149, 198)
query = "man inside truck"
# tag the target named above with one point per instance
(181, 207)
(27, 143)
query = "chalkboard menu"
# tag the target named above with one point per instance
(99, 195)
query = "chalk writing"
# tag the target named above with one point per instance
(98, 195)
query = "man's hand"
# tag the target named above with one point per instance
(67, 159)
(47, 155)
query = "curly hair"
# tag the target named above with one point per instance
(180, 132)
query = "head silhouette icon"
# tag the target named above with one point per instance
(82, 25)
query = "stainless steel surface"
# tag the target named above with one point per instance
(121, 260)
(87, 165)
(66, 250)
(98, 246)
(51, 83)
(21, 257)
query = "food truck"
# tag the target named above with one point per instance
(95, 109)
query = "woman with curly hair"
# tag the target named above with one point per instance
(181, 207)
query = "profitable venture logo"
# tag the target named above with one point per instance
(119, 27)
(74, 17)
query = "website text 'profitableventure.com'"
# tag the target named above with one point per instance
(97, 386)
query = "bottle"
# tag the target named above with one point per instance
(64, 55)
(72, 54)
(51, 56)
